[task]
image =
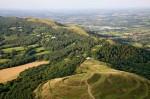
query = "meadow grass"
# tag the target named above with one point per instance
(9, 50)
(4, 61)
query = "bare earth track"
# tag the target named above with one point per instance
(89, 90)
(12, 73)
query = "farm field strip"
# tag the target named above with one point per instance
(12, 73)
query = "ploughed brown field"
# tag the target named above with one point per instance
(12, 73)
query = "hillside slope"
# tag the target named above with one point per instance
(77, 29)
(20, 37)
(24, 40)
(94, 80)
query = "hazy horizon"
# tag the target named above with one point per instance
(72, 4)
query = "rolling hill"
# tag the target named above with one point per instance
(68, 75)
(95, 80)
(26, 40)
(39, 37)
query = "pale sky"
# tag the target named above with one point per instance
(73, 4)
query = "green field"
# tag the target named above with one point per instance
(42, 53)
(94, 80)
(9, 50)
(3, 61)
(39, 49)
(33, 46)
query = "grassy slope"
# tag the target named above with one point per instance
(43, 21)
(72, 28)
(9, 50)
(4, 60)
(94, 80)
(77, 29)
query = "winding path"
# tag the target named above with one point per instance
(89, 90)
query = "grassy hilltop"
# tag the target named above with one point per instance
(95, 80)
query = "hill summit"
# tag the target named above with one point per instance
(95, 80)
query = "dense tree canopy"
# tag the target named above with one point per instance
(125, 57)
